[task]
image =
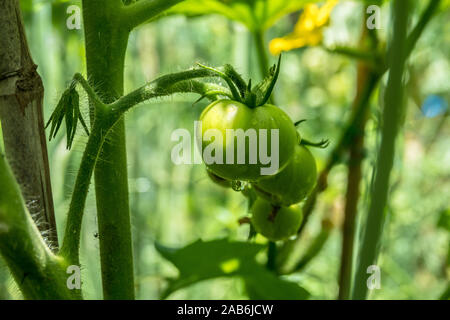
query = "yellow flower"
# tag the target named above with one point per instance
(308, 29)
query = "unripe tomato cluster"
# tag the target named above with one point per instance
(275, 212)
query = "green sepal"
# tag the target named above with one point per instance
(263, 90)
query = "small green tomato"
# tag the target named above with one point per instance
(275, 223)
(222, 115)
(293, 183)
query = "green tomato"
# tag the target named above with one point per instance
(293, 183)
(236, 154)
(275, 223)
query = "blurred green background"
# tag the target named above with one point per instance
(176, 205)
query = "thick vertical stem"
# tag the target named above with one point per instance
(106, 42)
(391, 121)
(21, 96)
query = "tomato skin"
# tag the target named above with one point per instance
(227, 114)
(285, 224)
(293, 183)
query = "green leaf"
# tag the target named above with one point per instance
(254, 14)
(223, 258)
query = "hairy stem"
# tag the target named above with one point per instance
(167, 85)
(71, 242)
(106, 43)
(37, 271)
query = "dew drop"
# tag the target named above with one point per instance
(237, 185)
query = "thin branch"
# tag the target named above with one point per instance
(353, 53)
(416, 33)
(78, 78)
(166, 85)
(420, 26)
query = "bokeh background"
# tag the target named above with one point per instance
(176, 205)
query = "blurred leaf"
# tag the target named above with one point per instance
(223, 258)
(265, 285)
(254, 14)
(444, 220)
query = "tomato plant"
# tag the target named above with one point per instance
(278, 182)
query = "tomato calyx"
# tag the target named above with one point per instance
(322, 144)
(243, 92)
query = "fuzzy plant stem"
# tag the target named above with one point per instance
(70, 246)
(393, 112)
(106, 43)
(37, 271)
